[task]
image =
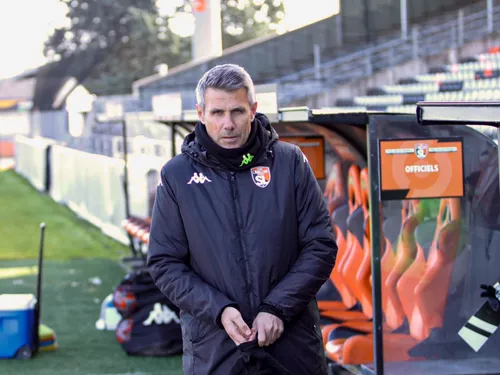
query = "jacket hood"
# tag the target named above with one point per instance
(195, 150)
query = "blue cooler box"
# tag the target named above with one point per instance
(17, 324)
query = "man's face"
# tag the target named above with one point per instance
(227, 116)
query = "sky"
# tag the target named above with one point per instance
(26, 24)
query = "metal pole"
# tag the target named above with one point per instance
(317, 61)
(338, 18)
(415, 42)
(366, 21)
(125, 183)
(404, 20)
(39, 281)
(489, 7)
(125, 168)
(376, 245)
(173, 143)
(460, 27)
(390, 58)
(368, 63)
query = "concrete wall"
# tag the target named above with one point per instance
(391, 76)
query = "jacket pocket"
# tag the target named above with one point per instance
(311, 320)
(190, 328)
(203, 332)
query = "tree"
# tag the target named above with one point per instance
(138, 59)
(130, 32)
(134, 37)
(244, 20)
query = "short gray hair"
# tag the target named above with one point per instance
(227, 77)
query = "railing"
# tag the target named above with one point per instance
(470, 24)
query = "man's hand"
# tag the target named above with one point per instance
(235, 326)
(268, 328)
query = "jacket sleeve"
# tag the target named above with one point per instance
(168, 262)
(318, 248)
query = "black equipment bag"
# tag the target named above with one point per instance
(150, 324)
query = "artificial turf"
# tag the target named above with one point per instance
(78, 255)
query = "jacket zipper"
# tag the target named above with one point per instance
(237, 210)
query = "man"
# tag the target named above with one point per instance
(240, 237)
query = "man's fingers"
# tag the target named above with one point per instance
(252, 335)
(242, 326)
(235, 334)
(239, 331)
(276, 330)
(261, 334)
(275, 334)
(281, 328)
(269, 328)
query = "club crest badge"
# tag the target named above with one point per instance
(421, 150)
(261, 176)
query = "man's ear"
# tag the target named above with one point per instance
(253, 110)
(199, 110)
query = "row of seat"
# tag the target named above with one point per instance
(488, 60)
(418, 251)
(474, 80)
(395, 100)
(491, 63)
(446, 77)
(138, 228)
(435, 87)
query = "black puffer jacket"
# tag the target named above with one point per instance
(249, 239)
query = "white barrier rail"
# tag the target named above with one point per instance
(91, 185)
(31, 159)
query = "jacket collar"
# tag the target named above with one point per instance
(195, 150)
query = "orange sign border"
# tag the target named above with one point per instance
(386, 195)
(319, 173)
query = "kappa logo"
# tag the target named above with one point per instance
(199, 178)
(247, 159)
(261, 176)
(421, 150)
(161, 315)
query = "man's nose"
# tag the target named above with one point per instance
(228, 123)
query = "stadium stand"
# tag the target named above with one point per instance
(348, 49)
(475, 80)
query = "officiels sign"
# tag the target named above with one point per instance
(421, 168)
